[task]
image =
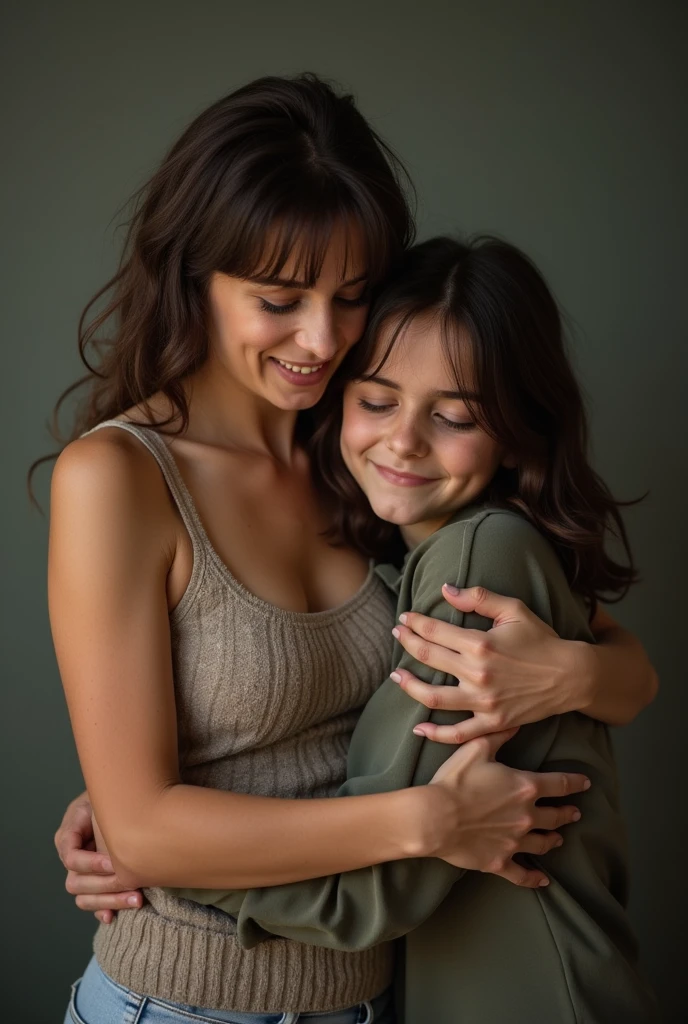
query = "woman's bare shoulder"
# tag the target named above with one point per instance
(109, 475)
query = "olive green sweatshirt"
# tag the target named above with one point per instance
(479, 950)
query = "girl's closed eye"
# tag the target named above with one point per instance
(455, 424)
(444, 421)
(373, 406)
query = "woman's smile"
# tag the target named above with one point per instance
(301, 374)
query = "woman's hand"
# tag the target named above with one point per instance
(520, 671)
(489, 811)
(90, 875)
(508, 676)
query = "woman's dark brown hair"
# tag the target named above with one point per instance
(261, 175)
(530, 402)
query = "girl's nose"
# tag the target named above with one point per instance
(406, 442)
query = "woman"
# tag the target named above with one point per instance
(205, 700)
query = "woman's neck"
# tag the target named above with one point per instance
(223, 412)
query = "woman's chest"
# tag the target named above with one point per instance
(269, 529)
(246, 676)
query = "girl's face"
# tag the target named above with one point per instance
(282, 341)
(408, 438)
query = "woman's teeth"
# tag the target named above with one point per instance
(300, 369)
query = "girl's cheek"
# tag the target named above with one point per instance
(354, 434)
(469, 456)
(358, 432)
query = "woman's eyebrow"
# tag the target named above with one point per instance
(290, 282)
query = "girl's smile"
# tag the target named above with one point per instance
(408, 436)
(393, 476)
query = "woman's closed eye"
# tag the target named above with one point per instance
(270, 307)
(290, 307)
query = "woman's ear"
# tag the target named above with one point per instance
(510, 462)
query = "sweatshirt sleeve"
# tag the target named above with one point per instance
(358, 909)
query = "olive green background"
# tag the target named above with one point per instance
(557, 125)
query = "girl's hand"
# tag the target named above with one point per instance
(489, 811)
(90, 875)
(519, 671)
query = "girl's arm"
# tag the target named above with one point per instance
(361, 908)
(520, 671)
(110, 551)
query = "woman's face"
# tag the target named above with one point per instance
(408, 438)
(282, 341)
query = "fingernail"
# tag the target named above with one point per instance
(559, 842)
(543, 882)
(107, 866)
(587, 784)
(576, 815)
(451, 589)
(403, 618)
(395, 676)
(133, 901)
(396, 633)
(418, 731)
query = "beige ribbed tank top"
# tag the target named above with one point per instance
(267, 700)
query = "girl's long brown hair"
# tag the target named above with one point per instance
(530, 402)
(261, 175)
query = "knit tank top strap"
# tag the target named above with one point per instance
(155, 444)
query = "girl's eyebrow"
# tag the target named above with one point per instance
(290, 282)
(459, 396)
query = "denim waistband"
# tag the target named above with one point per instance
(96, 993)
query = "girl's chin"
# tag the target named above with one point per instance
(391, 513)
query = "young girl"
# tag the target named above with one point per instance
(463, 425)
(215, 648)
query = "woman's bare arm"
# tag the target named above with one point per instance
(110, 552)
(111, 547)
(619, 678)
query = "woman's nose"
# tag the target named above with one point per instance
(319, 336)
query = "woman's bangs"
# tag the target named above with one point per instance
(299, 236)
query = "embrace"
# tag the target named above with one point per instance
(326, 563)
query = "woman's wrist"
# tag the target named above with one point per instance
(426, 814)
(417, 813)
(580, 676)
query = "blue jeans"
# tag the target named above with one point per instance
(97, 999)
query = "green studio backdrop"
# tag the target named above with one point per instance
(556, 125)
